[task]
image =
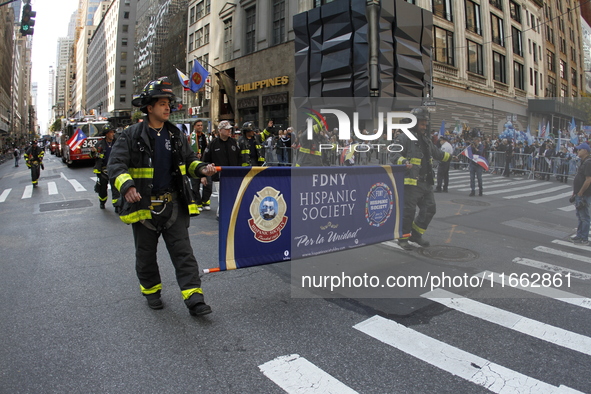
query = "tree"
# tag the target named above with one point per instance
(137, 115)
(57, 125)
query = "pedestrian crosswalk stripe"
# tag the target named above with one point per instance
(4, 195)
(77, 186)
(52, 188)
(561, 253)
(488, 183)
(552, 268)
(544, 191)
(296, 375)
(567, 209)
(572, 245)
(467, 366)
(550, 292)
(28, 193)
(514, 189)
(513, 321)
(499, 184)
(551, 198)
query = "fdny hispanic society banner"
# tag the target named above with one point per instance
(273, 214)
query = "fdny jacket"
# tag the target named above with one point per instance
(131, 164)
(245, 157)
(101, 161)
(34, 154)
(412, 153)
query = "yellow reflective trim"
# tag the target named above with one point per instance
(145, 172)
(183, 169)
(188, 293)
(318, 153)
(193, 209)
(401, 160)
(415, 161)
(418, 229)
(103, 199)
(121, 179)
(304, 150)
(446, 156)
(245, 151)
(114, 201)
(96, 171)
(152, 289)
(410, 181)
(245, 165)
(193, 169)
(142, 214)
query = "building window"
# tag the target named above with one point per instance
(444, 46)
(121, 98)
(200, 10)
(562, 70)
(206, 34)
(533, 22)
(551, 88)
(499, 73)
(191, 42)
(207, 7)
(551, 57)
(126, 15)
(496, 3)
(535, 53)
(563, 90)
(250, 30)
(320, 3)
(228, 40)
(278, 21)
(498, 36)
(123, 83)
(518, 81)
(475, 60)
(124, 41)
(473, 17)
(550, 34)
(123, 56)
(516, 38)
(573, 77)
(199, 38)
(192, 15)
(515, 11)
(123, 70)
(442, 8)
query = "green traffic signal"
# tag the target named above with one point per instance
(27, 21)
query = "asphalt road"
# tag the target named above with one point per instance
(73, 319)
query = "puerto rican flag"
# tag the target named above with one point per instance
(77, 139)
(481, 161)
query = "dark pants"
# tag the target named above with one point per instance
(35, 173)
(103, 189)
(476, 172)
(420, 196)
(507, 167)
(443, 175)
(176, 238)
(202, 198)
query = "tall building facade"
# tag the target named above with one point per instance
(64, 54)
(110, 60)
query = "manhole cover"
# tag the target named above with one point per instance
(474, 203)
(56, 206)
(448, 253)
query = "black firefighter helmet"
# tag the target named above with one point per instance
(162, 87)
(248, 126)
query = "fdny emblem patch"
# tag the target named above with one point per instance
(267, 211)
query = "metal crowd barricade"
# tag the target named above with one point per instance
(521, 164)
(545, 168)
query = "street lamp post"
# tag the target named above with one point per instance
(492, 136)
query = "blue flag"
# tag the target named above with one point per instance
(198, 76)
(574, 138)
(442, 129)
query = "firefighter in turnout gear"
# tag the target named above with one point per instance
(309, 154)
(418, 179)
(34, 159)
(150, 164)
(251, 148)
(101, 152)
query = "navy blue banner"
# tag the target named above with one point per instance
(273, 214)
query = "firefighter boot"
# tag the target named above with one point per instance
(418, 238)
(200, 309)
(403, 243)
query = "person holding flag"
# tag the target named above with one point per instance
(478, 163)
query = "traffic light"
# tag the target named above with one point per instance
(27, 21)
